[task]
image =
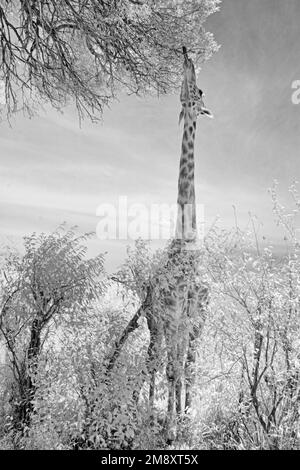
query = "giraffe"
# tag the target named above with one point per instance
(185, 300)
(186, 304)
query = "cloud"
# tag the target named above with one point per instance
(52, 170)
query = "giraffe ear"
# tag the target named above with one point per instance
(181, 116)
(207, 113)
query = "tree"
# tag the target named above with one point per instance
(255, 319)
(84, 50)
(45, 287)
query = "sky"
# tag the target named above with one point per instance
(52, 171)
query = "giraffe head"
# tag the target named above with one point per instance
(191, 96)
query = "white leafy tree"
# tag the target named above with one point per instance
(46, 287)
(85, 50)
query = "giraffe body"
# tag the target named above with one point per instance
(183, 302)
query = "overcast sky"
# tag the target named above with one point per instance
(52, 171)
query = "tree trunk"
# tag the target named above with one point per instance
(24, 407)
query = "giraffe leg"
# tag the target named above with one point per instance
(179, 397)
(170, 419)
(179, 376)
(151, 367)
(171, 384)
(197, 314)
(189, 374)
(153, 354)
(152, 391)
(149, 363)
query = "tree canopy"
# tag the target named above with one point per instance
(85, 50)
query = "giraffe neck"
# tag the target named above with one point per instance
(186, 218)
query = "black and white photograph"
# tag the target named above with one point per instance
(149, 228)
